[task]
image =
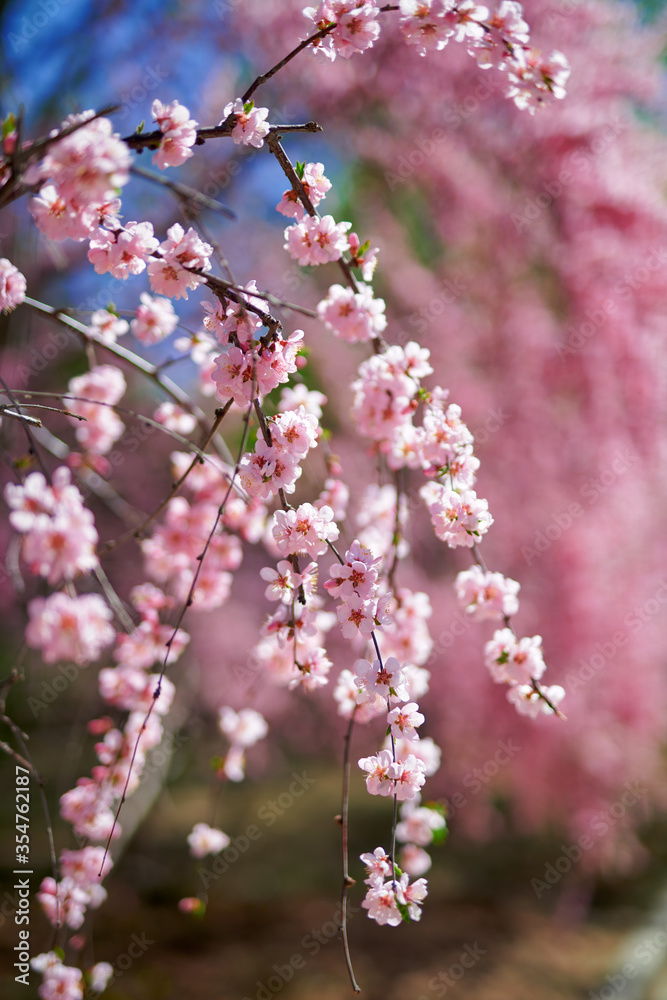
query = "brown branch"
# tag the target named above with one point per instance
(152, 140)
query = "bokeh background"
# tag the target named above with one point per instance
(529, 254)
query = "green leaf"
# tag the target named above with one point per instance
(363, 248)
(248, 106)
(140, 127)
(440, 836)
(299, 169)
(403, 910)
(8, 125)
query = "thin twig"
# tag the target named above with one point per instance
(179, 620)
(322, 33)
(183, 192)
(139, 531)
(170, 388)
(347, 881)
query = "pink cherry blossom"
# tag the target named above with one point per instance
(357, 617)
(423, 749)
(366, 260)
(514, 661)
(357, 26)
(534, 80)
(283, 582)
(487, 596)
(100, 975)
(101, 427)
(61, 982)
(62, 546)
(385, 680)
(106, 326)
(404, 720)
(458, 518)
(380, 901)
(412, 895)
(175, 418)
(313, 670)
(171, 275)
(358, 575)
(413, 860)
(88, 808)
(528, 702)
(122, 252)
(243, 728)
(67, 628)
(351, 315)
(179, 133)
(423, 24)
(317, 240)
(155, 319)
(300, 396)
(12, 286)
(378, 866)
(410, 775)
(206, 839)
(305, 529)
(146, 645)
(381, 772)
(85, 169)
(315, 185)
(250, 126)
(418, 824)
(63, 902)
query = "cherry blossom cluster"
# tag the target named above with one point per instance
(389, 397)
(101, 426)
(122, 251)
(171, 553)
(121, 752)
(76, 629)
(59, 535)
(179, 134)
(191, 554)
(500, 39)
(66, 901)
(351, 315)
(391, 898)
(519, 662)
(315, 186)
(248, 368)
(78, 178)
(65, 982)
(275, 466)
